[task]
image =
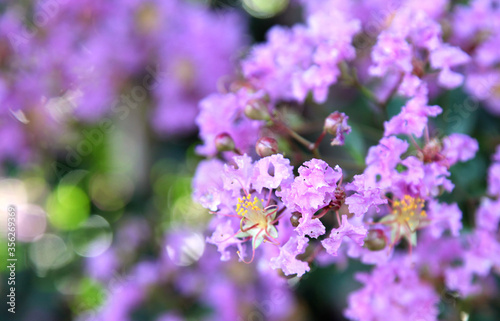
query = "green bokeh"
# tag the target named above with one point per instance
(67, 207)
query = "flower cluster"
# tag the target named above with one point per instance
(392, 213)
(169, 54)
(347, 135)
(179, 273)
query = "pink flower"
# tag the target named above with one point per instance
(224, 237)
(444, 217)
(286, 260)
(312, 190)
(365, 196)
(412, 119)
(355, 233)
(459, 147)
(392, 292)
(444, 58)
(271, 172)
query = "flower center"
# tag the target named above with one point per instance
(252, 211)
(257, 222)
(409, 211)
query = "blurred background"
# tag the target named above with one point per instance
(98, 101)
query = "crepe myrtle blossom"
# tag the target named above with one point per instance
(251, 197)
(426, 172)
(396, 194)
(494, 175)
(476, 30)
(224, 113)
(384, 213)
(393, 291)
(176, 273)
(246, 208)
(316, 187)
(355, 233)
(412, 39)
(287, 261)
(393, 214)
(400, 218)
(444, 58)
(481, 250)
(166, 56)
(413, 118)
(336, 125)
(303, 59)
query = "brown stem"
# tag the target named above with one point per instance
(305, 142)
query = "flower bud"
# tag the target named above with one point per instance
(266, 146)
(336, 125)
(431, 150)
(224, 142)
(375, 240)
(332, 122)
(294, 219)
(256, 110)
(339, 198)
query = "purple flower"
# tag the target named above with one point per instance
(365, 196)
(437, 255)
(355, 233)
(425, 31)
(386, 295)
(223, 113)
(481, 256)
(121, 301)
(483, 253)
(302, 59)
(224, 236)
(238, 177)
(367, 256)
(412, 176)
(103, 266)
(488, 215)
(271, 172)
(336, 125)
(14, 141)
(496, 156)
(461, 280)
(391, 52)
(382, 159)
(312, 190)
(444, 58)
(444, 217)
(193, 59)
(411, 85)
(494, 180)
(286, 260)
(236, 195)
(208, 185)
(459, 147)
(221, 295)
(412, 119)
(481, 85)
(273, 69)
(311, 227)
(487, 53)
(422, 179)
